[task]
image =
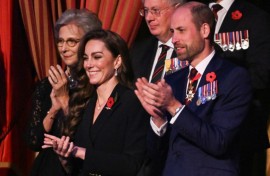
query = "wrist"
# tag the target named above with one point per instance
(158, 121)
(175, 107)
(78, 152)
(51, 113)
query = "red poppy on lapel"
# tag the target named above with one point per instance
(237, 15)
(210, 77)
(110, 102)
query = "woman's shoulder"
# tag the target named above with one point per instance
(125, 91)
(43, 88)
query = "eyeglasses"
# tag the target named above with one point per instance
(71, 42)
(154, 11)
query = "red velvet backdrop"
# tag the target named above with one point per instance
(16, 85)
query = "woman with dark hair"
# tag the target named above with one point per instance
(110, 129)
(51, 96)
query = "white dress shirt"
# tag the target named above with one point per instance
(226, 4)
(168, 56)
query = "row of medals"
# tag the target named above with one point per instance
(231, 41)
(207, 92)
(174, 64)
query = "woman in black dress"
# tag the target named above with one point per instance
(110, 137)
(51, 96)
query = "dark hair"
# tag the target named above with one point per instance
(81, 94)
(201, 14)
(82, 18)
(87, 21)
(117, 46)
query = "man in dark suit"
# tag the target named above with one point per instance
(207, 110)
(242, 33)
(144, 53)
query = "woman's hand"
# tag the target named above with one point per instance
(59, 81)
(62, 146)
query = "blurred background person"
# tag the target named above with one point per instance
(51, 96)
(242, 36)
(146, 52)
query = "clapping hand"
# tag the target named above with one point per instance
(59, 81)
(62, 146)
(156, 98)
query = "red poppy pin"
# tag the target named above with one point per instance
(210, 77)
(237, 15)
(111, 102)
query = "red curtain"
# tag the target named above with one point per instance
(120, 16)
(27, 50)
(16, 83)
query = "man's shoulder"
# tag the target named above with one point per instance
(249, 9)
(150, 41)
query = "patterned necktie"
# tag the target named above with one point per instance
(192, 83)
(160, 64)
(215, 9)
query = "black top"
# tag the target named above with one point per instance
(47, 162)
(116, 143)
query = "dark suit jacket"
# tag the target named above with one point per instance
(257, 57)
(204, 140)
(142, 55)
(116, 143)
(257, 60)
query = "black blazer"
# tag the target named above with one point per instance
(116, 143)
(257, 61)
(257, 57)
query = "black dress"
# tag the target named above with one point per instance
(47, 161)
(116, 143)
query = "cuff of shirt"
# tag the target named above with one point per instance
(160, 131)
(173, 119)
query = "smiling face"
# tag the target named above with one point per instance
(99, 63)
(159, 25)
(187, 38)
(69, 53)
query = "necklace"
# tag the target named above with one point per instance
(99, 105)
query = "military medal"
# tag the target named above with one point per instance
(191, 88)
(207, 92)
(237, 45)
(208, 97)
(190, 95)
(245, 40)
(214, 95)
(231, 41)
(224, 42)
(203, 95)
(217, 39)
(167, 66)
(174, 64)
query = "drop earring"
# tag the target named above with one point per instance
(116, 72)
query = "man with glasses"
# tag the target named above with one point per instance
(145, 53)
(201, 108)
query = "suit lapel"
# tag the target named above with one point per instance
(178, 82)
(106, 112)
